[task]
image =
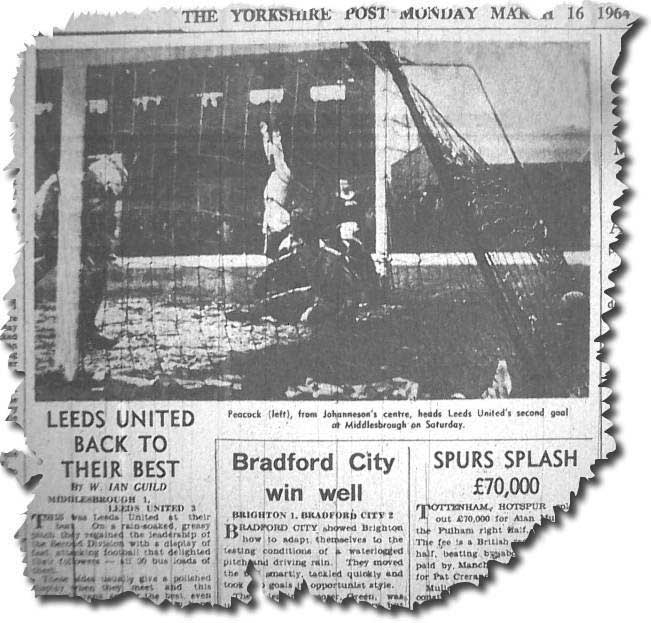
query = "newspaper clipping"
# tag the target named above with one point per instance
(312, 292)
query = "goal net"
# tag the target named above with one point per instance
(500, 218)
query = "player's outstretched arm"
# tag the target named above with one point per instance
(266, 140)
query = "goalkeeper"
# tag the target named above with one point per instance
(348, 219)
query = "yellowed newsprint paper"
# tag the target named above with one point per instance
(310, 293)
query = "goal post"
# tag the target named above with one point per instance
(71, 166)
(382, 249)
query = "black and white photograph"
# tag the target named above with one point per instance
(337, 221)
(318, 309)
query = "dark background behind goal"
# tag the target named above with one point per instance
(197, 170)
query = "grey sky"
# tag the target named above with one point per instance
(540, 91)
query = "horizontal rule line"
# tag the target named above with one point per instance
(404, 440)
(352, 29)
